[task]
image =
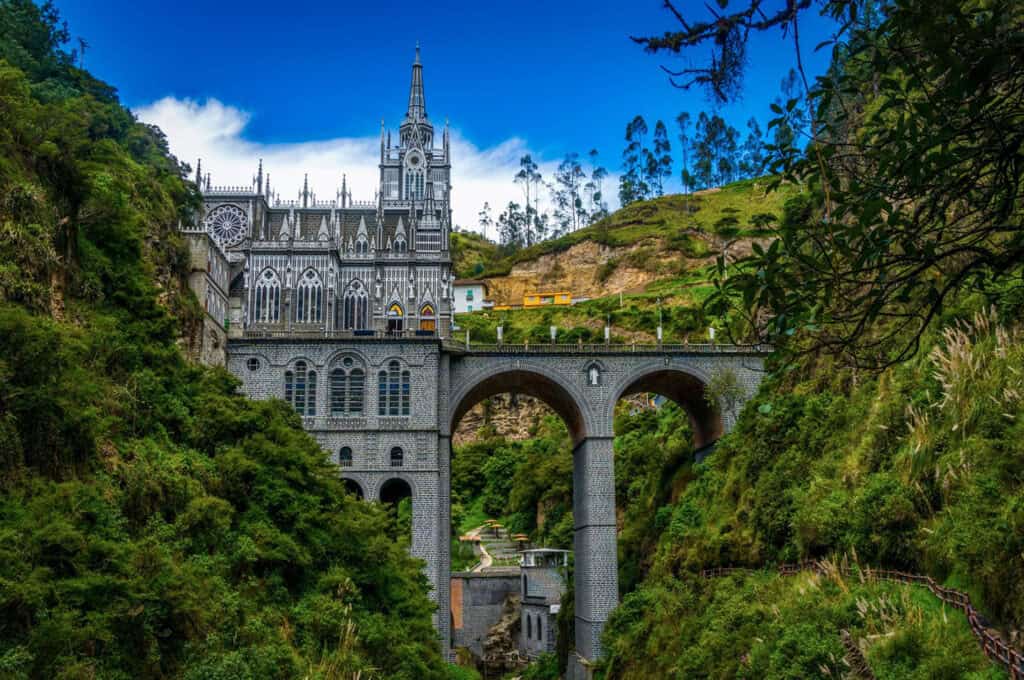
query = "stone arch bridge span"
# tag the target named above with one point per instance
(385, 408)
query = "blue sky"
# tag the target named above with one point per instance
(304, 82)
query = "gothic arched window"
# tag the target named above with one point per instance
(300, 389)
(397, 457)
(355, 306)
(395, 318)
(529, 627)
(362, 246)
(347, 385)
(400, 246)
(427, 320)
(393, 390)
(267, 298)
(309, 298)
(414, 184)
(345, 457)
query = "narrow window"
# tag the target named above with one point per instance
(393, 388)
(345, 457)
(356, 382)
(339, 391)
(405, 393)
(529, 627)
(289, 387)
(397, 457)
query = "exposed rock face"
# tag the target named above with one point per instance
(577, 270)
(511, 416)
(501, 648)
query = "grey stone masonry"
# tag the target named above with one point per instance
(443, 380)
(343, 308)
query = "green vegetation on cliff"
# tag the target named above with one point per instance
(152, 522)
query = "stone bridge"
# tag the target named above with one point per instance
(581, 383)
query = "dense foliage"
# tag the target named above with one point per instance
(152, 522)
(918, 468)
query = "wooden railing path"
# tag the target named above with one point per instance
(992, 644)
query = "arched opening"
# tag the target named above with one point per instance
(689, 392)
(662, 421)
(508, 428)
(427, 320)
(345, 457)
(520, 381)
(397, 495)
(396, 318)
(353, 487)
(397, 457)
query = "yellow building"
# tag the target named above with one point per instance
(541, 299)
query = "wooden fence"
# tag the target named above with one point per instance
(992, 644)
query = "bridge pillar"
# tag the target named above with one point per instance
(443, 585)
(596, 576)
(430, 511)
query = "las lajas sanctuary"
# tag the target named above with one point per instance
(343, 308)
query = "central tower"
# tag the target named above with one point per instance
(414, 175)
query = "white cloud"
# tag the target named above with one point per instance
(213, 131)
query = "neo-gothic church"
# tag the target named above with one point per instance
(341, 267)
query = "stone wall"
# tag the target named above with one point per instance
(477, 602)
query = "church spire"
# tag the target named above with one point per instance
(417, 102)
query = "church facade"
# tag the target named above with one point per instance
(339, 307)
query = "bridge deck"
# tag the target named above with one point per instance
(504, 349)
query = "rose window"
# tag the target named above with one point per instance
(227, 224)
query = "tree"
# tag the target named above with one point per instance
(596, 206)
(484, 218)
(529, 177)
(913, 172)
(753, 159)
(662, 157)
(511, 226)
(632, 183)
(791, 124)
(565, 192)
(683, 120)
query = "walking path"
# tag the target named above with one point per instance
(991, 642)
(493, 547)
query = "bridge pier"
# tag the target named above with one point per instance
(596, 567)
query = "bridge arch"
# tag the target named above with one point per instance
(685, 385)
(354, 487)
(542, 383)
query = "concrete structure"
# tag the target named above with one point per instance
(208, 278)
(543, 582)
(343, 309)
(469, 295)
(477, 600)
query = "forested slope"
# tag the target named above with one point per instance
(152, 522)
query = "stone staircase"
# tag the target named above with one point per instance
(497, 550)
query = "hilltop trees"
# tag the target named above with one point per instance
(633, 184)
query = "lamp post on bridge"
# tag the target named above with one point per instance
(659, 322)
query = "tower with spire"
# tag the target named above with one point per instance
(415, 176)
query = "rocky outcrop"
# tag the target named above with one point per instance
(577, 269)
(511, 416)
(501, 648)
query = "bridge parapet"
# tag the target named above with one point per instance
(605, 348)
